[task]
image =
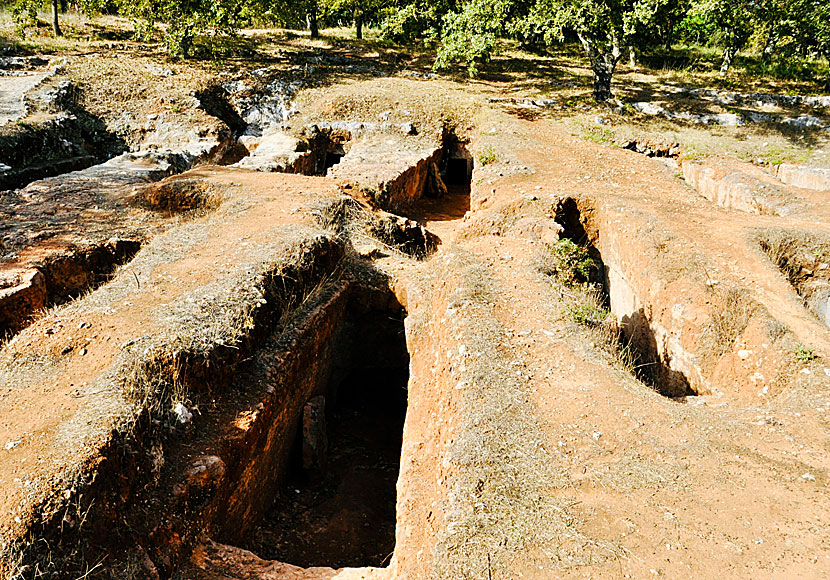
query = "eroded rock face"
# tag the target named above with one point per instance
(181, 195)
(736, 189)
(393, 171)
(278, 152)
(213, 561)
(315, 439)
(807, 177)
(22, 293)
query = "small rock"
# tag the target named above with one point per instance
(183, 414)
(808, 477)
(83, 352)
(204, 471)
(11, 445)
(315, 435)
(744, 354)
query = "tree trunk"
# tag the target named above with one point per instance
(358, 26)
(311, 18)
(56, 28)
(632, 57)
(604, 57)
(769, 47)
(186, 45)
(669, 40)
(728, 54)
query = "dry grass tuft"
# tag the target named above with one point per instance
(501, 502)
(732, 310)
(799, 255)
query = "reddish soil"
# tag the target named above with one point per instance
(528, 451)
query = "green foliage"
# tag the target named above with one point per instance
(487, 156)
(570, 263)
(804, 354)
(410, 21)
(469, 36)
(587, 313)
(185, 19)
(24, 13)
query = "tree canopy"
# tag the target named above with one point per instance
(466, 33)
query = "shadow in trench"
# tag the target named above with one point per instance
(336, 507)
(649, 366)
(456, 172)
(635, 332)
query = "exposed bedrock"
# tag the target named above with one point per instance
(803, 257)
(806, 177)
(57, 278)
(191, 410)
(689, 334)
(741, 189)
(393, 171)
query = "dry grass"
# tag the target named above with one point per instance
(350, 220)
(501, 501)
(505, 218)
(732, 310)
(798, 254)
(755, 143)
(183, 195)
(585, 303)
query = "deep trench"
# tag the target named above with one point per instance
(635, 334)
(336, 505)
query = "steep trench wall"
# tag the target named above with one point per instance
(248, 450)
(431, 419)
(701, 336)
(57, 278)
(807, 177)
(158, 484)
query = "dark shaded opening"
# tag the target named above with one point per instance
(336, 507)
(328, 147)
(636, 335)
(446, 195)
(569, 216)
(458, 172)
(70, 275)
(332, 159)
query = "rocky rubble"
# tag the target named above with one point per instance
(728, 119)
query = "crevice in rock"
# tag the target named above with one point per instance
(652, 149)
(635, 331)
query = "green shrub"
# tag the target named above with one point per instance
(487, 156)
(569, 263)
(804, 354)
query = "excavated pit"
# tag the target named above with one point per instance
(57, 279)
(637, 336)
(804, 259)
(336, 506)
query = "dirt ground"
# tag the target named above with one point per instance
(530, 450)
